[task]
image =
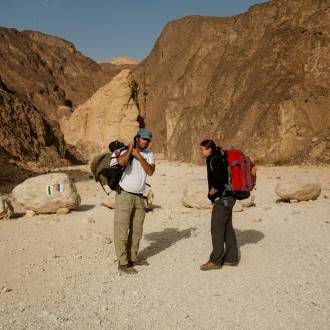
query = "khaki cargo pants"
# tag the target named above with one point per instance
(128, 226)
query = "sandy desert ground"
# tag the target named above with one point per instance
(59, 272)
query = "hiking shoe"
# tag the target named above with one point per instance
(138, 263)
(230, 263)
(125, 269)
(210, 266)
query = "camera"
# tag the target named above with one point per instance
(116, 145)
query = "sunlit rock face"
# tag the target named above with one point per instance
(108, 115)
(42, 79)
(258, 81)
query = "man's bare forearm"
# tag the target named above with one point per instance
(124, 158)
(148, 168)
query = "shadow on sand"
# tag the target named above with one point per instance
(161, 240)
(84, 207)
(154, 207)
(249, 236)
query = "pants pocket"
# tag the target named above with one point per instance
(229, 202)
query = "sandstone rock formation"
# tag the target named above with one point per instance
(122, 60)
(108, 115)
(47, 70)
(194, 195)
(47, 193)
(298, 191)
(25, 133)
(11, 173)
(258, 81)
(42, 78)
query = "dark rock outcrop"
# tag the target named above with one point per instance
(26, 135)
(258, 81)
(48, 71)
(42, 78)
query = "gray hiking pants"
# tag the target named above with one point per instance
(224, 242)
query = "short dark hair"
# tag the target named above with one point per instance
(209, 144)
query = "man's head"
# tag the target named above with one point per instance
(206, 148)
(143, 138)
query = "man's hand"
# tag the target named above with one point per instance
(136, 154)
(130, 146)
(124, 158)
(213, 191)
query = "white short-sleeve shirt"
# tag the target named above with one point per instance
(134, 177)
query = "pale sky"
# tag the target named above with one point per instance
(103, 29)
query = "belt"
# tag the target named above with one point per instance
(135, 194)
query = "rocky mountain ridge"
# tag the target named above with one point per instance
(42, 79)
(258, 81)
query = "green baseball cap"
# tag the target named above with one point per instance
(144, 133)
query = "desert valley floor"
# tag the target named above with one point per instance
(59, 271)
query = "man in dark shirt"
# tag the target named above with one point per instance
(224, 243)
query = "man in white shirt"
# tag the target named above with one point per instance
(130, 205)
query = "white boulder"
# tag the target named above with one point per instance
(30, 214)
(237, 207)
(300, 191)
(149, 198)
(194, 196)
(47, 193)
(248, 202)
(110, 200)
(62, 210)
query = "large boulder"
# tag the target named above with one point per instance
(110, 114)
(248, 202)
(110, 201)
(47, 193)
(194, 195)
(300, 191)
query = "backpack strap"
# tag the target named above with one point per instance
(228, 184)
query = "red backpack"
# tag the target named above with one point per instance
(241, 174)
